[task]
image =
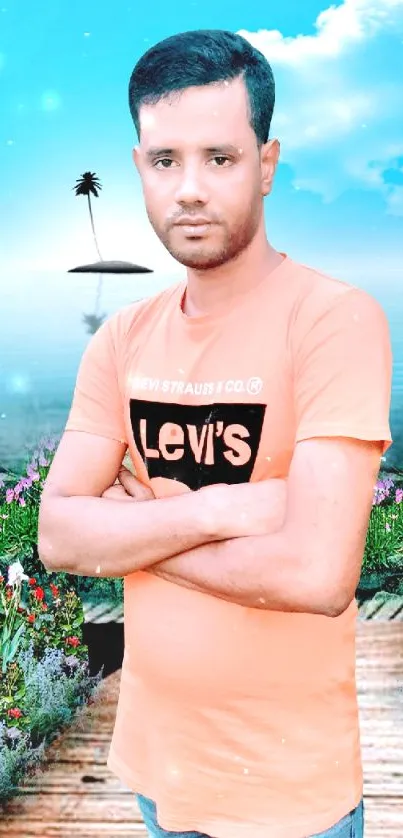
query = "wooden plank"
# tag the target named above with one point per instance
(383, 606)
(94, 613)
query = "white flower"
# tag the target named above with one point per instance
(16, 574)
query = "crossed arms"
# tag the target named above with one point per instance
(294, 545)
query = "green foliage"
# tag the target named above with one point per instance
(19, 512)
(54, 688)
(44, 670)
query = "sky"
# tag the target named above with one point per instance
(337, 202)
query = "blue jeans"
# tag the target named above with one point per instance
(351, 826)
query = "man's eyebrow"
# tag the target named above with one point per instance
(227, 148)
(158, 152)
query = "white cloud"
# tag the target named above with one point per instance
(339, 100)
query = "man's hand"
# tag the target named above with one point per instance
(128, 488)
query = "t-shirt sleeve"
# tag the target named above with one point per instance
(343, 371)
(97, 405)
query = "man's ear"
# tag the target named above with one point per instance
(270, 153)
(136, 157)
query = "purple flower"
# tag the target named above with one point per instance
(387, 527)
(13, 733)
(72, 660)
(22, 502)
(43, 462)
(399, 495)
(9, 495)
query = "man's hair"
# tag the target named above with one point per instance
(202, 57)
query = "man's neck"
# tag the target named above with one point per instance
(213, 290)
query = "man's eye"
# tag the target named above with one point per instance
(221, 160)
(164, 160)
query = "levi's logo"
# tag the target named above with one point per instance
(197, 445)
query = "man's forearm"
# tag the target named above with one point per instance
(257, 572)
(90, 536)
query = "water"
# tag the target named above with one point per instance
(43, 336)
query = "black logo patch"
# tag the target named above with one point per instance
(198, 445)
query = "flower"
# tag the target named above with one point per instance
(14, 713)
(44, 606)
(9, 495)
(32, 581)
(16, 574)
(22, 502)
(72, 661)
(73, 641)
(31, 618)
(54, 589)
(13, 733)
(39, 593)
(1, 579)
(399, 495)
(387, 527)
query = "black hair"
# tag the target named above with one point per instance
(201, 57)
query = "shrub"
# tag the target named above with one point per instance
(44, 671)
(19, 510)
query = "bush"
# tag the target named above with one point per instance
(54, 688)
(44, 671)
(19, 510)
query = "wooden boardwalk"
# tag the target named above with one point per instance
(76, 795)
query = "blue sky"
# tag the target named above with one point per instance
(64, 71)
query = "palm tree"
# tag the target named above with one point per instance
(85, 185)
(89, 184)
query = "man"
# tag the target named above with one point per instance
(253, 400)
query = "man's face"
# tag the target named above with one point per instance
(199, 161)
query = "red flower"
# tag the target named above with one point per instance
(9, 593)
(31, 618)
(1, 579)
(20, 610)
(73, 641)
(39, 593)
(32, 582)
(14, 713)
(54, 589)
(44, 606)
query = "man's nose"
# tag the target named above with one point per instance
(191, 188)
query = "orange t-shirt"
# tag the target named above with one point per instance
(238, 722)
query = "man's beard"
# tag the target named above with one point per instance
(206, 254)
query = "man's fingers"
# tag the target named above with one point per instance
(134, 487)
(117, 492)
